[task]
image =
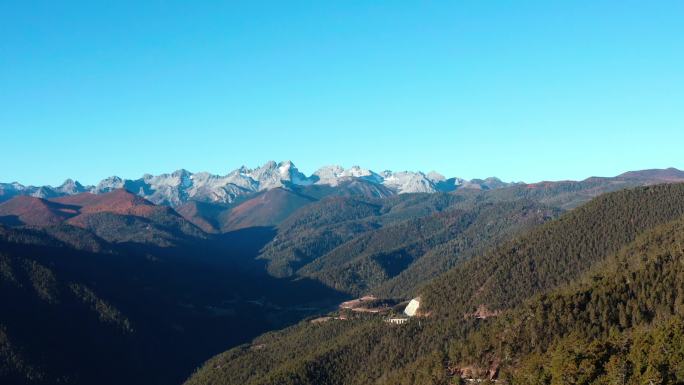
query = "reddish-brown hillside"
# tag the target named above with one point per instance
(33, 211)
(266, 209)
(117, 216)
(203, 215)
(118, 202)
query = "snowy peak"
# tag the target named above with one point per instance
(435, 177)
(289, 172)
(182, 186)
(328, 175)
(71, 187)
(272, 175)
(409, 182)
(109, 184)
(334, 174)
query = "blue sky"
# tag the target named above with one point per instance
(523, 90)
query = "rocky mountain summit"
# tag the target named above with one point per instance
(183, 186)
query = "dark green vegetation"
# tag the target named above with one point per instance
(603, 326)
(113, 289)
(555, 253)
(396, 259)
(595, 297)
(392, 246)
(82, 310)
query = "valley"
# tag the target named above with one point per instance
(90, 279)
(485, 192)
(552, 297)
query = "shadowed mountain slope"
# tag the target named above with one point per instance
(117, 216)
(267, 208)
(432, 348)
(136, 313)
(26, 210)
(395, 252)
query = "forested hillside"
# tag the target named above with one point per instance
(607, 273)
(597, 329)
(78, 309)
(317, 229)
(555, 253)
(398, 258)
(146, 288)
(394, 245)
(358, 246)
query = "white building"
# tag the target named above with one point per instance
(412, 307)
(398, 320)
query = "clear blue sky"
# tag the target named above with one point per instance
(523, 90)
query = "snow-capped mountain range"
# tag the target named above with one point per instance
(182, 186)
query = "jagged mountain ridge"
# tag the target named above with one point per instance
(183, 186)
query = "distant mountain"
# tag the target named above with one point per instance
(182, 186)
(569, 194)
(34, 211)
(271, 207)
(265, 209)
(115, 216)
(671, 174)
